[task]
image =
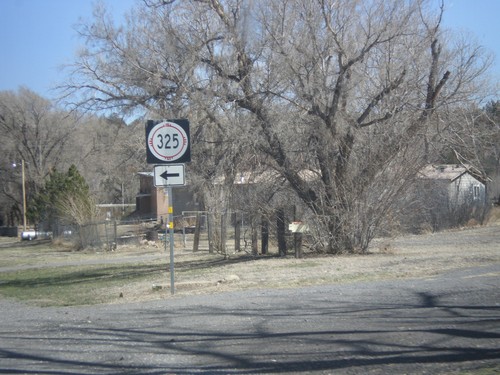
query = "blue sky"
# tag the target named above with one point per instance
(38, 36)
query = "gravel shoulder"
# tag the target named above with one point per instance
(423, 304)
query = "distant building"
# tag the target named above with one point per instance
(451, 194)
(456, 183)
(152, 202)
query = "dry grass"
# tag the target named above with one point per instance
(53, 275)
(493, 216)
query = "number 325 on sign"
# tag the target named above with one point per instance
(168, 141)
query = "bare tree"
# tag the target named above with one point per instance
(142, 67)
(475, 141)
(109, 153)
(353, 92)
(34, 130)
(344, 100)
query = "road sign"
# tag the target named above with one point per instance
(298, 227)
(169, 175)
(168, 141)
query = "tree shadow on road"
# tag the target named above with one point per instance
(268, 334)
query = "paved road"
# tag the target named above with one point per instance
(428, 326)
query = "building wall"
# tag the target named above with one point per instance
(185, 200)
(143, 205)
(152, 202)
(145, 183)
(445, 203)
(466, 190)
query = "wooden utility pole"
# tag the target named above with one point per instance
(24, 194)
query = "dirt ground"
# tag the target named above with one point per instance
(422, 256)
(408, 256)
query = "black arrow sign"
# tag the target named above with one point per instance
(166, 175)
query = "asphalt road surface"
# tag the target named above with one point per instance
(449, 324)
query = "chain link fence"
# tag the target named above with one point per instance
(193, 231)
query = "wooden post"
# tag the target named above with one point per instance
(210, 223)
(265, 235)
(223, 234)
(197, 230)
(237, 232)
(297, 239)
(255, 235)
(24, 194)
(280, 229)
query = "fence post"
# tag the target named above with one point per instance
(265, 235)
(197, 230)
(255, 235)
(297, 239)
(237, 232)
(210, 223)
(223, 234)
(280, 229)
(108, 242)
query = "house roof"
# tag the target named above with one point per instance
(449, 172)
(254, 177)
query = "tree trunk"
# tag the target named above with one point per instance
(339, 241)
(280, 231)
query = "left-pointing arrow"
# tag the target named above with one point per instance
(166, 175)
(171, 175)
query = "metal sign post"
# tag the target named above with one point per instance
(170, 226)
(168, 142)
